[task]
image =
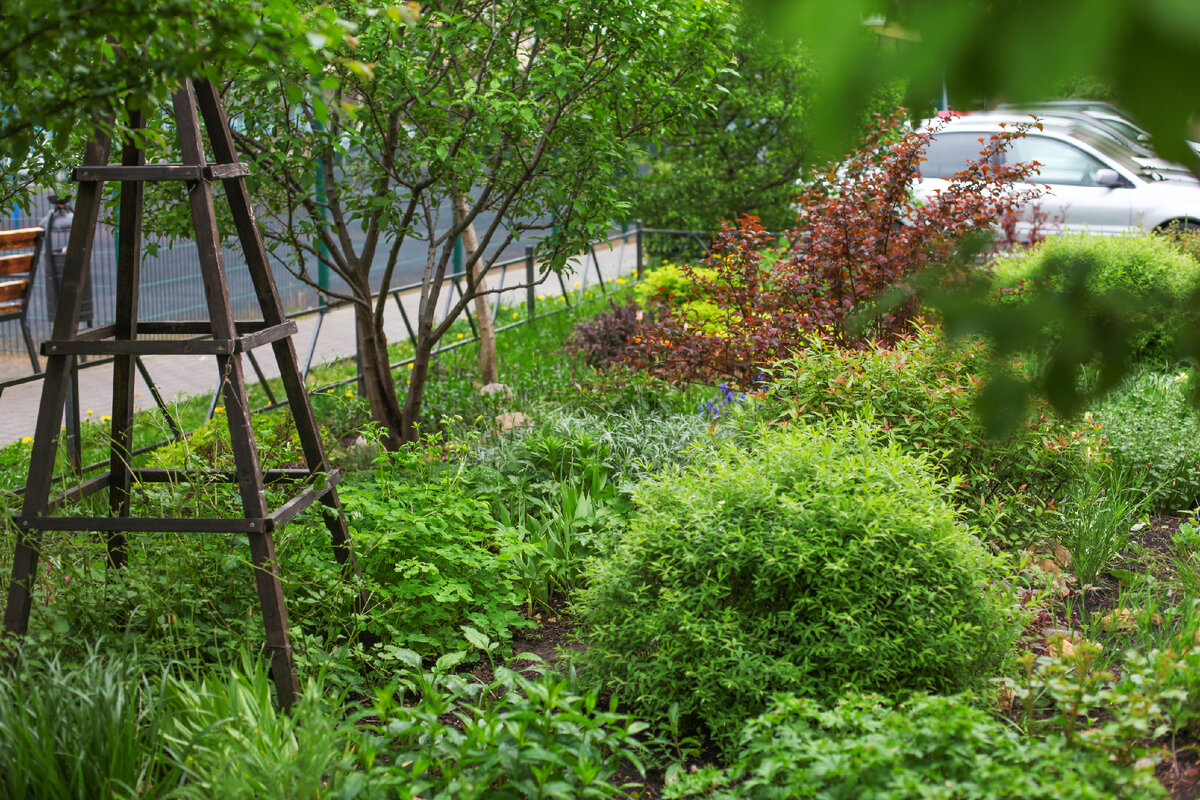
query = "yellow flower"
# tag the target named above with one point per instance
(410, 366)
(620, 280)
(349, 393)
(576, 283)
(219, 410)
(89, 412)
(515, 315)
(460, 336)
(106, 418)
(27, 440)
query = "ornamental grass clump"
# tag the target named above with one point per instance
(820, 560)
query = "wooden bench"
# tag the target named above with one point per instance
(16, 279)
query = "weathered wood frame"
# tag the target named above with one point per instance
(230, 341)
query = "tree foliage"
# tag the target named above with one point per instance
(743, 155)
(69, 66)
(526, 112)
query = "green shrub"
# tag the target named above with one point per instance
(922, 391)
(1153, 432)
(1139, 282)
(670, 284)
(819, 561)
(939, 748)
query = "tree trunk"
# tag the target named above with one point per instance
(377, 379)
(488, 372)
(416, 389)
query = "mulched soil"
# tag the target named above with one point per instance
(1182, 778)
(554, 634)
(1151, 554)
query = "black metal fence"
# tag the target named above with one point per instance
(171, 288)
(520, 272)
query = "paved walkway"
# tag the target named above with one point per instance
(183, 376)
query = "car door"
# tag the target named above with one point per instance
(1074, 199)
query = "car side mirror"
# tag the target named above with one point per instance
(1110, 178)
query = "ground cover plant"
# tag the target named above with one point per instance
(1151, 430)
(930, 747)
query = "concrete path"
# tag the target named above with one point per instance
(184, 376)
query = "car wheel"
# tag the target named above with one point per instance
(1178, 227)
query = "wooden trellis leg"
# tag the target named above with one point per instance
(129, 261)
(273, 314)
(237, 406)
(54, 396)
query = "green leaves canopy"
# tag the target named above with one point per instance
(66, 66)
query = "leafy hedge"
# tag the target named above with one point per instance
(819, 561)
(1138, 282)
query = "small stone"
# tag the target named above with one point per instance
(1062, 647)
(1127, 619)
(513, 420)
(497, 388)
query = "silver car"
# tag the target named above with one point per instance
(1091, 183)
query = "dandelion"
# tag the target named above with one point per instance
(349, 393)
(577, 284)
(515, 315)
(460, 336)
(219, 410)
(105, 418)
(27, 440)
(90, 412)
(620, 280)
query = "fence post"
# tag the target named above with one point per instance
(637, 231)
(530, 308)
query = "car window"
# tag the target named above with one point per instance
(948, 153)
(1061, 163)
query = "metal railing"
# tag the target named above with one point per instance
(170, 284)
(452, 286)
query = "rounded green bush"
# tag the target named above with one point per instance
(1141, 280)
(824, 560)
